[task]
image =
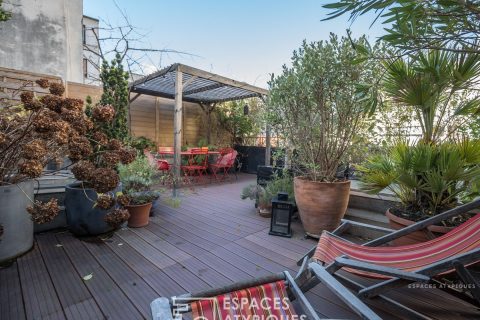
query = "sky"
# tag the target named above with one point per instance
(246, 40)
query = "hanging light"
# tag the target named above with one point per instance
(245, 110)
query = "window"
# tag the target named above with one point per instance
(85, 68)
(84, 34)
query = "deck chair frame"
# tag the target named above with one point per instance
(166, 309)
(399, 278)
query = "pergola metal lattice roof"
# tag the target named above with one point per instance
(198, 86)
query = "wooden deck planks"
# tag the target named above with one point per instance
(214, 238)
(110, 298)
(40, 297)
(11, 300)
(74, 296)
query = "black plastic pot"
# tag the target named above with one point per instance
(83, 218)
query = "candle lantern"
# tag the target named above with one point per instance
(282, 211)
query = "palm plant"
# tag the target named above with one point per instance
(431, 83)
(427, 178)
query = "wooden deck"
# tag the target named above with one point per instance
(213, 239)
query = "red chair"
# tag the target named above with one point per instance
(160, 164)
(197, 163)
(224, 162)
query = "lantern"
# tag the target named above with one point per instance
(246, 110)
(282, 211)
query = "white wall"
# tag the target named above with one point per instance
(92, 59)
(43, 36)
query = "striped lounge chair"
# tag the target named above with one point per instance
(274, 297)
(397, 266)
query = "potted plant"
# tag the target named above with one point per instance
(32, 133)
(259, 194)
(90, 204)
(316, 107)
(137, 197)
(436, 172)
(96, 149)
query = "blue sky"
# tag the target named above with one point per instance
(245, 40)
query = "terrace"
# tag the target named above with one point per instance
(211, 240)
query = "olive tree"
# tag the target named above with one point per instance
(317, 106)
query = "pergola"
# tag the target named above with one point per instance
(185, 83)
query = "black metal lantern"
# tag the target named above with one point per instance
(282, 211)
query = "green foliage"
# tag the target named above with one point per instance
(415, 25)
(4, 15)
(316, 104)
(282, 183)
(137, 175)
(143, 197)
(231, 118)
(427, 178)
(141, 143)
(430, 83)
(265, 195)
(115, 93)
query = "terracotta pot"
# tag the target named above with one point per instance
(321, 205)
(139, 215)
(397, 223)
(265, 212)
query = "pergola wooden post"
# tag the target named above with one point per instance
(177, 129)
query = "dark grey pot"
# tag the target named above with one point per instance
(17, 225)
(83, 218)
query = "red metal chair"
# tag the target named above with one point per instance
(160, 164)
(223, 163)
(197, 163)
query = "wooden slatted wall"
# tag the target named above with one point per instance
(153, 118)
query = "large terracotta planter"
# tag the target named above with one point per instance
(139, 215)
(397, 223)
(17, 224)
(321, 205)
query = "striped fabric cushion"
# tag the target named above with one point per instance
(462, 239)
(268, 301)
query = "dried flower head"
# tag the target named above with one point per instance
(123, 200)
(127, 155)
(103, 113)
(104, 180)
(53, 103)
(45, 121)
(43, 83)
(42, 212)
(71, 115)
(79, 148)
(117, 217)
(110, 159)
(100, 138)
(73, 104)
(34, 150)
(3, 138)
(62, 130)
(105, 201)
(26, 96)
(83, 170)
(114, 144)
(33, 105)
(31, 168)
(56, 88)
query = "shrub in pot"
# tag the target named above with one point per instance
(258, 193)
(439, 170)
(32, 134)
(137, 197)
(316, 106)
(427, 179)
